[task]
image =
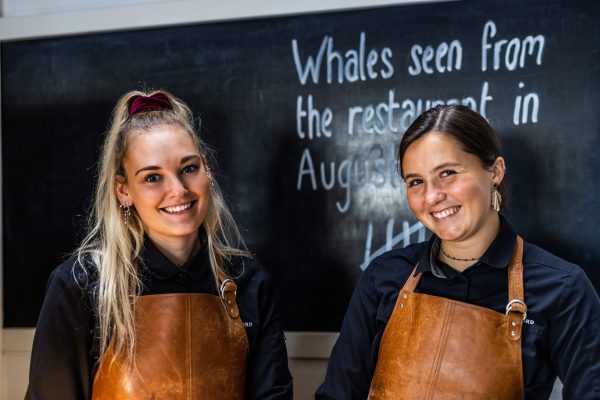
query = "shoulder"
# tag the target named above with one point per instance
(70, 288)
(248, 272)
(540, 263)
(395, 265)
(74, 274)
(553, 280)
(408, 255)
(381, 282)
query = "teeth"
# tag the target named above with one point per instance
(445, 213)
(178, 208)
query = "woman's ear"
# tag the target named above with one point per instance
(122, 190)
(498, 171)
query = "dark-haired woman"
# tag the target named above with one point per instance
(475, 312)
(161, 300)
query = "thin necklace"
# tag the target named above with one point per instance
(456, 258)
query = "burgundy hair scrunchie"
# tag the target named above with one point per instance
(156, 102)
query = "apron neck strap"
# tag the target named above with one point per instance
(413, 280)
(516, 309)
(515, 272)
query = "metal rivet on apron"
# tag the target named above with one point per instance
(513, 333)
(404, 295)
(401, 305)
(514, 323)
(231, 309)
(229, 302)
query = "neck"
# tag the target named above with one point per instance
(177, 251)
(472, 248)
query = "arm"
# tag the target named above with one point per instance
(350, 368)
(575, 339)
(268, 376)
(61, 364)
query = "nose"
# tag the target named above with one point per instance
(433, 194)
(177, 187)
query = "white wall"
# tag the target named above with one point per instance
(23, 19)
(40, 7)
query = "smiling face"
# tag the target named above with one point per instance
(166, 182)
(448, 189)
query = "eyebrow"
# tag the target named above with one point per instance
(441, 166)
(156, 167)
(191, 157)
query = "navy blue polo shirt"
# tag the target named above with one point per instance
(561, 335)
(65, 349)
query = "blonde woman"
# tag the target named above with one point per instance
(161, 300)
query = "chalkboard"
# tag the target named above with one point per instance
(305, 113)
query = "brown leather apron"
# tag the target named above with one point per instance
(188, 346)
(436, 348)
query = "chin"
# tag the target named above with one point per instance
(449, 238)
(182, 232)
(446, 234)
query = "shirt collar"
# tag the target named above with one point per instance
(497, 255)
(161, 267)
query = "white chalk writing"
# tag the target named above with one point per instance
(392, 240)
(361, 133)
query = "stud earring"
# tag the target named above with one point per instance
(209, 174)
(126, 211)
(496, 199)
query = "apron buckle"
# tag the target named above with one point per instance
(228, 292)
(519, 306)
(226, 286)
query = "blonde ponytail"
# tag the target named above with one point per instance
(113, 247)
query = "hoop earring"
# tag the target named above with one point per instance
(126, 211)
(496, 199)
